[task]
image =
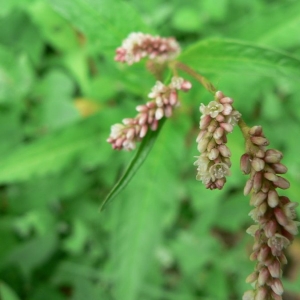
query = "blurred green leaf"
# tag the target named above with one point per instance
(138, 159)
(187, 19)
(55, 29)
(140, 217)
(275, 26)
(105, 23)
(228, 56)
(6, 293)
(16, 75)
(29, 40)
(51, 153)
(31, 254)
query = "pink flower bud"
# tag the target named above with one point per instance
(282, 183)
(263, 276)
(257, 198)
(273, 198)
(273, 156)
(263, 253)
(270, 176)
(168, 111)
(252, 277)
(202, 145)
(260, 153)
(255, 130)
(220, 118)
(249, 295)
(219, 95)
(220, 183)
(143, 131)
(227, 109)
(130, 133)
(292, 227)
(280, 216)
(266, 186)
(173, 98)
(219, 132)
(257, 181)
(224, 150)
(283, 259)
(212, 127)
(262, 293)
(248, 187)
(275, 296)
(211, 145)
(154, 125)
(252, 230)
(213, 154)
(270, 228)
(226, 100)
(257, 164)
(261, 209)
(279, 168)
(142, 118)
(245, 163)
(159, 113)
(277, 286)
(275, 269)
(259, 141)
(142, 108)
(227, 127)
(128, 121)
(205, 121)
(186, 85)
(253, 256)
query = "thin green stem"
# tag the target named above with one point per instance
(205, 82)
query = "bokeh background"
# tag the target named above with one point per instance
(165, 237)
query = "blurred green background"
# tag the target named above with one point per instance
(165, 237)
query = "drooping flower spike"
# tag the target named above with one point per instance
(164, 100)
(274, 216)
(139, 45)
(218, 119)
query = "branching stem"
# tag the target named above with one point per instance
(207, 85)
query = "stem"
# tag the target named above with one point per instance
(207, 85)
(250, 147)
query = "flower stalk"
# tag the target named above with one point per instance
(274, 215)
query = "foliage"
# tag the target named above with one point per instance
(164, 236)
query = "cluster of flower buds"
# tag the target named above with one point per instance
(274, 216)
(218, 119)
(139, 45)
(165, 99)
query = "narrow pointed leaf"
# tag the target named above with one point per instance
(134, 165)
(230, 56)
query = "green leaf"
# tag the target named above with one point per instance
(55, 29)
(134, 165)
(275, 26)
(138, 222)
(230, 56)
(53, 152)
(33, 253)
(15, 75)
(6, 293)
(105, 23)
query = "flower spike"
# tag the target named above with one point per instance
(139, 45)
(273, 214)
(218, 119)
(164, 101)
